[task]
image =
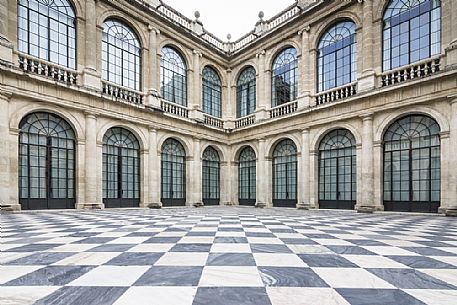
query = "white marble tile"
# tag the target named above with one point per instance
(304, 296)
(448, 249)
(350, 278)
(230, 277)
(129, 240)
(73, 248)
(8, 273)
(309, 249)
(111, 276)
(230, 234)
(386, 250)
(279, 260)
(11, 256)
(348, 236)
(61, 240)
(230, 248)
(332, 242)
(289, 235)
(447, 259)
(434, 297)
(171, 234)
(446, 275)
(257, 230)
(87, 259)
(182, 259)
(204, 229)
(4, 247)
(264, 240)
(113, 234)
(24, 295)
(158, 296)
(151, 248)
(373, 261)
(196, 240)
(401, 243)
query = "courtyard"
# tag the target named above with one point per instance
(227, 255)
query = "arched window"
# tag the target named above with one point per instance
(412, 32)
(211, 172)
(246, 87)
(121, 55)
(173, 77)
(337, 56)
(47, 30)
(284, 77)
(121, 169)
(46, 162)
(285, 174)
(337, 170)
(212, 92)
(412, 165)
(247, 177)
(173, 173)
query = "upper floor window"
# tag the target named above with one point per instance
(284, 77)
(337, 56)
(246, 94)
(173, 79)
(212, 92)
(121, 55)
(412, 32)
(46, 29)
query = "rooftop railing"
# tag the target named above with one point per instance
(48, 69)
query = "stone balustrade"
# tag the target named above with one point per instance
(122, 94)
(286, 15)
(336, 94)
(283, 109)
(49, 70)
(417, 70)
(174, 109)
(170, 13)
(245, 121)
(213, 121)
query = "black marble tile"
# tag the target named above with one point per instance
(356, 250)
(41, 258)
(83, 296)
(298, 241)
(191, 248)
(230, 259)
(429, 251)
(421, 262)
(269, 248)
(229, 229)
(33, 248)
(410, 279)
(231, 296)
(135, 259)
(290, 277)
(230, 240)
(141, 234)
(111, 248)
(326, 260)
(432, 243)
(162, 240)
(50, 276)
(94, 240)
(378, 297)
(259, 234)
(196, 233)
(365, 242)
(170, 276)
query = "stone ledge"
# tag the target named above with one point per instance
(89, 206)
(13, 207)
(198, 204)
(260, 205)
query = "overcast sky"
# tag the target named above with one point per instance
(236, 17)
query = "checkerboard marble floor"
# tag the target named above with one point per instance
(227, 256)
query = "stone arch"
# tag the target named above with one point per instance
(132, 24)
(179, 48)
(274, 52)
(339, 16)
(140, 136)
(176, 137)
(421, 110)
(222, 76)
(271, 144)
(239, 148)
(238, 70)
(216, 147)
(21, 113)
(322, 132)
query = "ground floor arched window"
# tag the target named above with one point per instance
(121, 169)
(173, 173)
(285, 174)
(412, 165)
(46, 162)
(211, 175)
(337, 170)
(247, 177)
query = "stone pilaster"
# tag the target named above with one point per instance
(154, 171)
(303, 94)
(262, 105)
(195, 176)
(262, 177)
(449, 202)
(91, 77)
(303, 170)
(366, 79)
(154, 83)
(6, 45)
(451, 49)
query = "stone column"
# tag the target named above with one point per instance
(366, 79)
(449, 25)
(153, 86)
(303, 94)
(367, 185)
(262, 105)
(91, 77)
(154, 170)
(6, 46)
(195, 176)
(229, 106)
(378, 187)
(262, 177)
(449, 206)
(225, 183)
(5, 170)
(303, 170)
(196, 90)
(90, 163)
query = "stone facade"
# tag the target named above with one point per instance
(91, 111)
